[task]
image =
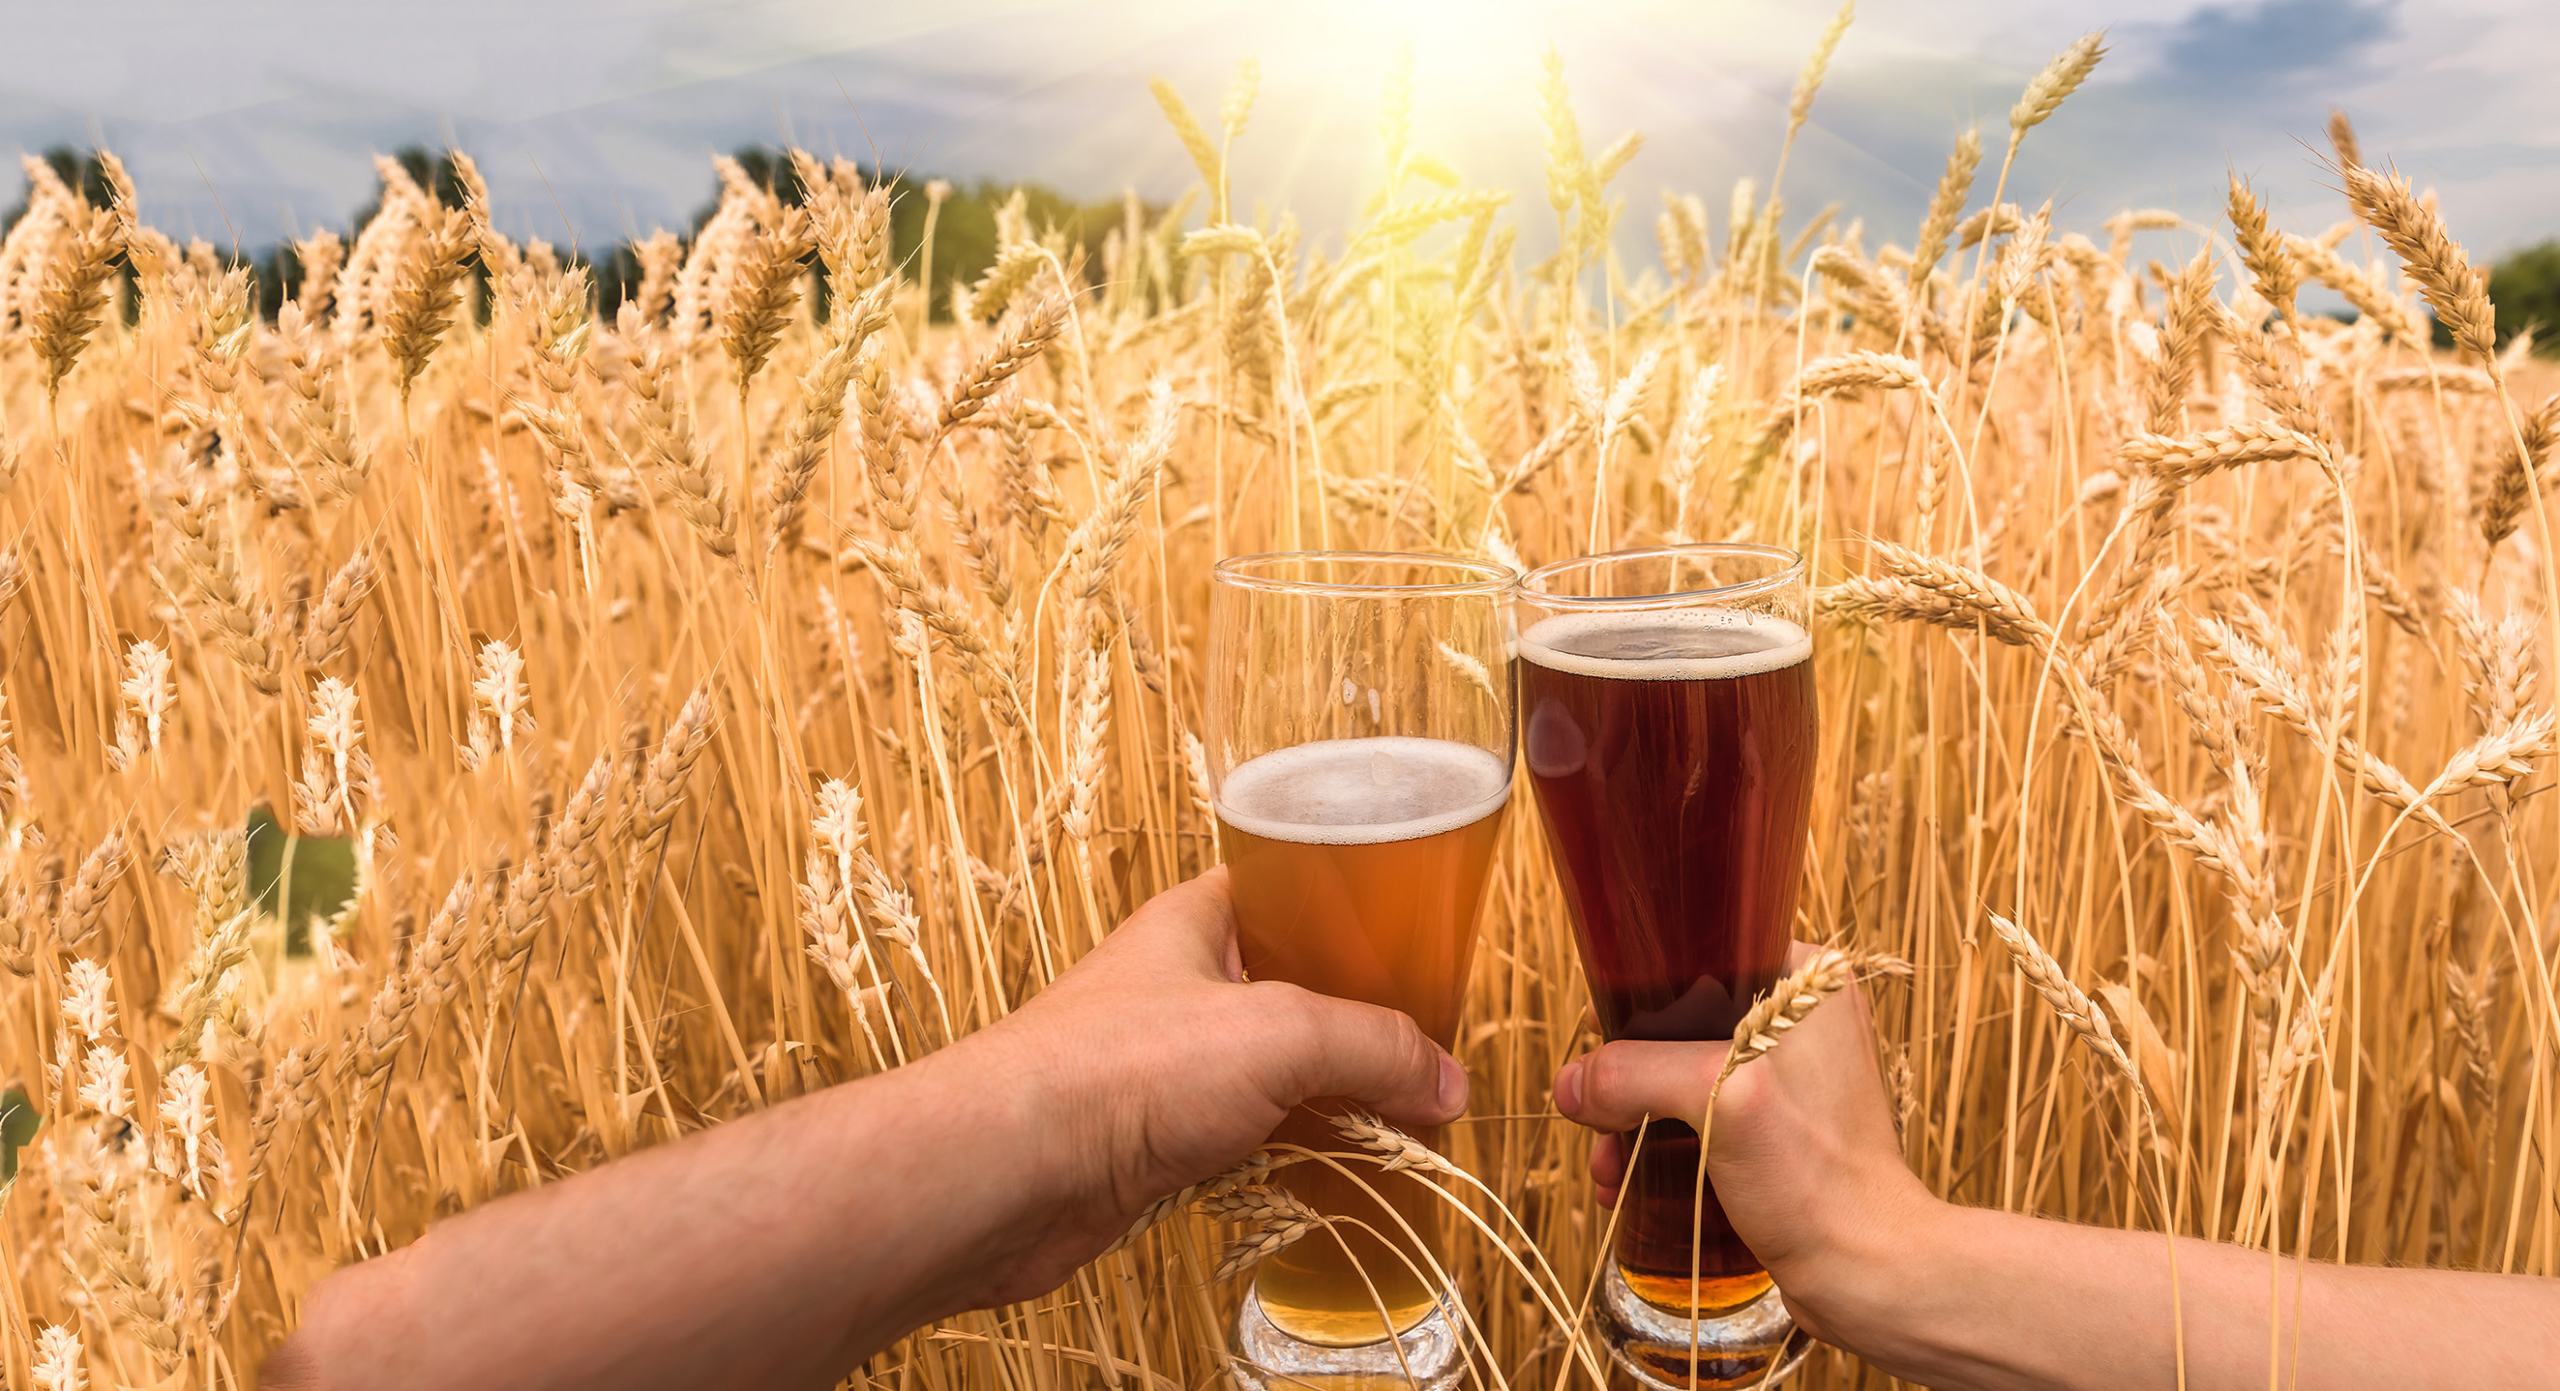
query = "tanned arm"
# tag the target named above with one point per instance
(1804, 1158)
(785, 1248)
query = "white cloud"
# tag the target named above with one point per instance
(264, 117)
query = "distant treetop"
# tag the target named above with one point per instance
(964, 228)
(2525, 286)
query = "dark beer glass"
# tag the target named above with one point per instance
(1360, 741)
(1667, 708)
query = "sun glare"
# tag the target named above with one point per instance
(1455, 41)
(1326, 68)
(1631, 64)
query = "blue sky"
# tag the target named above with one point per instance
(596, 119)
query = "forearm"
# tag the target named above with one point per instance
(779, 1250)
(775, 1251)
(1995, 1300)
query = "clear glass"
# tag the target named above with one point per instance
(1360, 751)
(1669, 704)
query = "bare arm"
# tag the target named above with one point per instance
(1992, 1299)
(1804, 1157)
(783, 1249)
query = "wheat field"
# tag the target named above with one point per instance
(680, 712)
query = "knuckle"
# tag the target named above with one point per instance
(1745, 1094)
(1604, 1078)
(1282, 999)
(1281, 1040)
(1422, 1055)
(1388, 1036)
(1412, 1042)
(1756, 1100)
(1291, 1012)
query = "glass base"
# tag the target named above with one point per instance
(1752, 1344)
(1425, 1357)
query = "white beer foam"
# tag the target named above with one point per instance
(1364, 791)
(1666, 645)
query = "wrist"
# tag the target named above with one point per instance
(1033, 1129)
(1907, 1297)
(975, 1127)
(1882, 1265)
(1041, 1113)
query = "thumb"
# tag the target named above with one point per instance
(1368, 1054)
(1619, 1084)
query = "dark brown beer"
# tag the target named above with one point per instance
(1673, 756)
(1358, 866)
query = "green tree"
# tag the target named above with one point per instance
(277, 271)
(434, 172)
(82, 171)
(78, 168)
(964, 234)
(2525, 285)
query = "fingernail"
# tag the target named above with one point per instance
(1569, 1087)
(1453, 1084)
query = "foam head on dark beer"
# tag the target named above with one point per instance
(1669, 645)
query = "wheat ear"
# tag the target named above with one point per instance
(1016, 347)
(2069, 1002)
(1785, 1005)
(1279, 1221)
(2457, 290)
(2046, 91)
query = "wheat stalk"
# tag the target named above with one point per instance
(2069, 1002)
(2058, 80)
(1783, 1006)
(1278, 1221)
(2454, 288)
(424, 294)
(73, 295)
(764, 287)
(1401, 1151)
(2272, 270)
(1017, 345)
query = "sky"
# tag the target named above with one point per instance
(594, 121)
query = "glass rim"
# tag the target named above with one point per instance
(1493, 577)
(1791, 570)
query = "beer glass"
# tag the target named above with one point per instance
(1669, 707)
(1359, 752)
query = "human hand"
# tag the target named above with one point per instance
(1802, 1153)
(1152, 1064)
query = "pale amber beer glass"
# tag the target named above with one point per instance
(1667, 703)
(1359, 747)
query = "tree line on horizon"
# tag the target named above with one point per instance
(963, 226)
(2524, 284)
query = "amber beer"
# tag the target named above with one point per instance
(1672, 752)
(1358, 867)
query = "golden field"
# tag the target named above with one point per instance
(720, 699)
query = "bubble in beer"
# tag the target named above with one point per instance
(1364, 791)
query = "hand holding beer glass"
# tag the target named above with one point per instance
(1668, 702)
(1360, 744)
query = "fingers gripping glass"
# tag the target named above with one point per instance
(1360, 739)
(1668, 703)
